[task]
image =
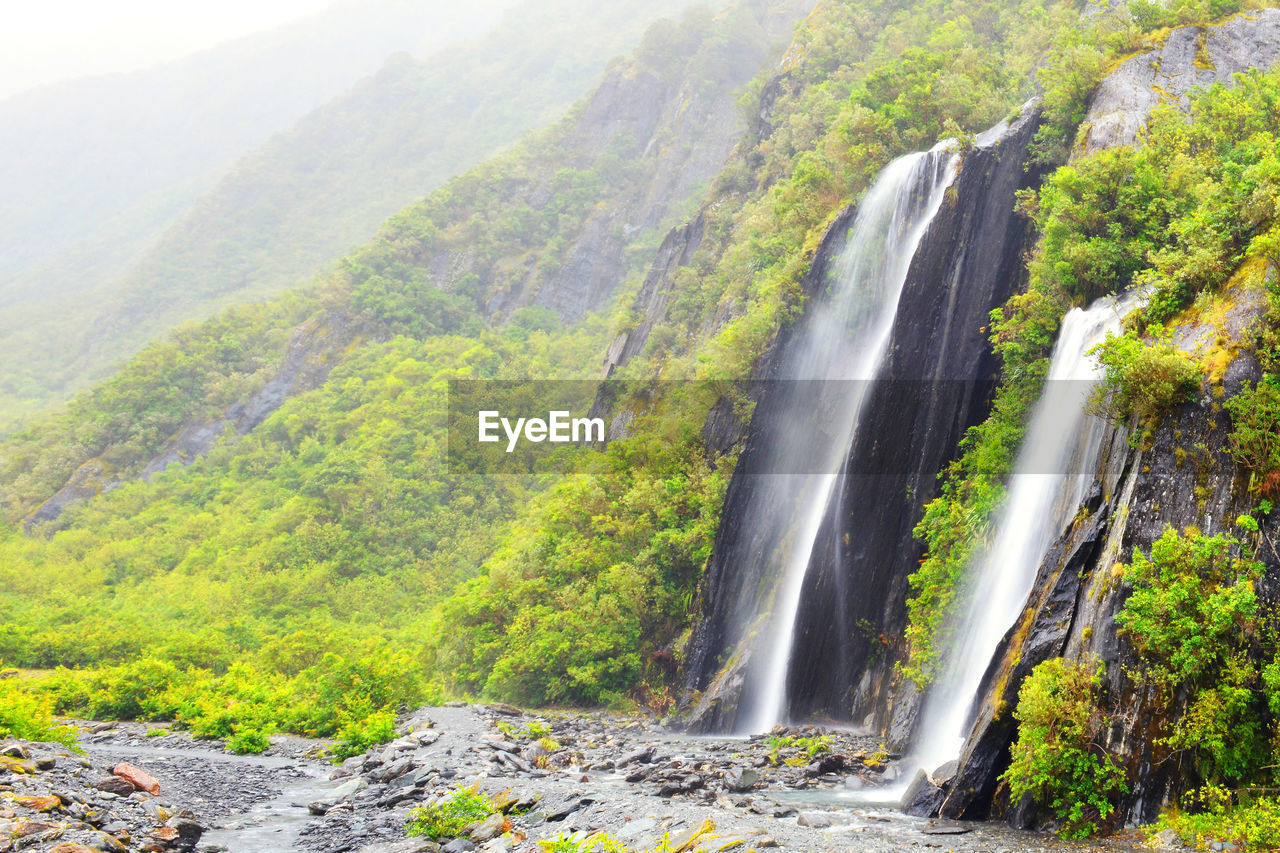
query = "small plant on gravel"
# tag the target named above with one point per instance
(597, 843)
(157, 732)
(536, 730)
(248, 740)
(776, 744)
(549, 744)
(814, 746)
(447, 818)
(601, 842)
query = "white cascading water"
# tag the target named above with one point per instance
(844, 337)
(1051, 477)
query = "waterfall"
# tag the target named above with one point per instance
(840, 342)
(1051, 476)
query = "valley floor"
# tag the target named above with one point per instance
(564, 774)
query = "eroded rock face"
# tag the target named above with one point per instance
(1190, 57)
(968, 263)
(313, 350)
(1138, 492)
(1183, 477)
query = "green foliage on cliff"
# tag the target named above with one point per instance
(1057, 759)
(1177, 214)
(1192, 603)
(1195, 620)
(1255, 433)
(1143, 378)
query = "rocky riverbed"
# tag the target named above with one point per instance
(573, 775)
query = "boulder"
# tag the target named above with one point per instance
(741, 779)
(189, 832)
(944, 773)
(923, 798)
(139, 779)
(639, 756)
(490, 828)
(115, 785)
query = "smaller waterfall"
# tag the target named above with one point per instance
(841, 338)
(1051, 477)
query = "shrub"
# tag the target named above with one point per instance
(1191, 616)
(248, 740)
(1255, 435)
(1055, 759)
(1192, 603)
(1212, 813)
(447, 818)
(29, 717)
(359, 733)
(1141, 378)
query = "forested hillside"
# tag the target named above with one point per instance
(256, 195)
(267, 491)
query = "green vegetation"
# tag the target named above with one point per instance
(1056, 758)
(602, 842)
(1248, 820)
(1255, 434)
(1177, 214)
(449, 817)
(1202, 639)
(1193, 617)
(802, 749)
(30, 717)
(1142, 378)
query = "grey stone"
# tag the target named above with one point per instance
(741, 779)
(644, 755)
(815, 820)
(1124, 100)
(490, 828)
(459, 845)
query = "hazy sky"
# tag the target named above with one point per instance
(43, 41)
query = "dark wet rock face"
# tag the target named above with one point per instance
(853, 606)
(1183, 476)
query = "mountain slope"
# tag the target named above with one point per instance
(294, 204)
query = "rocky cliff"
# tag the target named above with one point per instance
(1189, 57)
(1179, 475)
(968, 262)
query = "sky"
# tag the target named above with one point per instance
(45, 41)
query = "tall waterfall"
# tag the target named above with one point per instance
(1052, 474)
(842, 337)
